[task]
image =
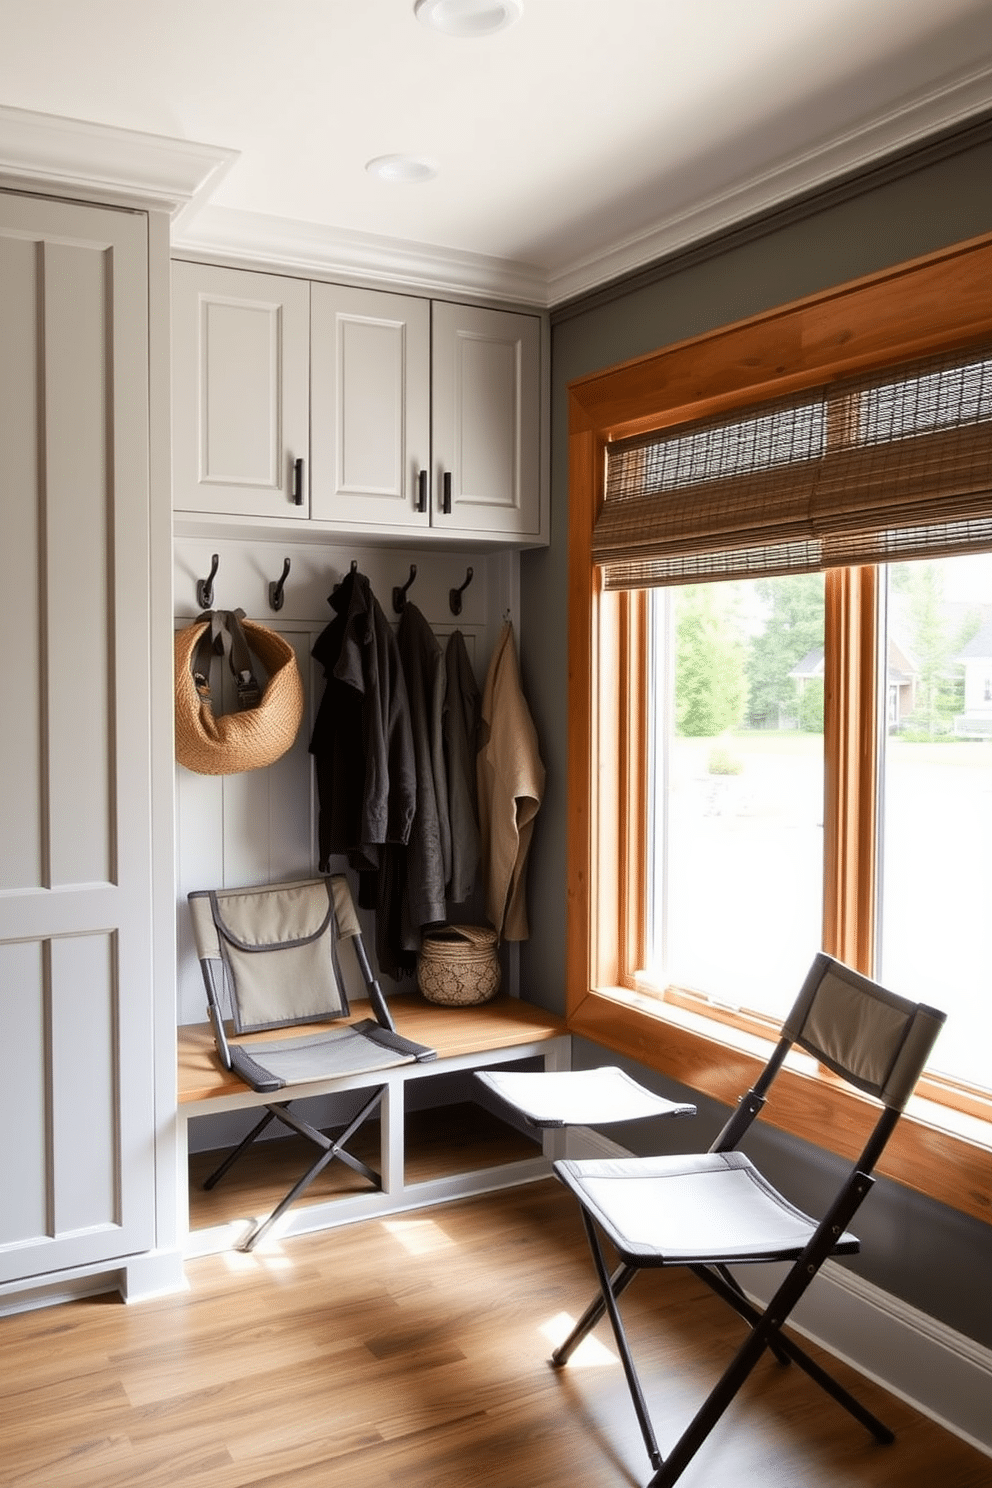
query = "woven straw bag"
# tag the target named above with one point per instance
(459, 966)
(267, 720)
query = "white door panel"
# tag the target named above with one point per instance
(75, 844)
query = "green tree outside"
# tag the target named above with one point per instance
(711, 661)
(793, 627)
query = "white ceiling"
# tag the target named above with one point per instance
(578, 144)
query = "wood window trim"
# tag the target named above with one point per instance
(933, 304)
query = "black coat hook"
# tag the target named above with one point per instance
(276, 587)
(205, 587)
(351, 572)
(455, 595)
(399, 590)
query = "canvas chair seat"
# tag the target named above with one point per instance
(547, 1099)
(271, 957)
(702, 1209)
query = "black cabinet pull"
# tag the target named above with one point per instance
(446, 502)
(422, 491)
(298, 482)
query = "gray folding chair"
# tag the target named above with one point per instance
(714, 1210)
(269, 957)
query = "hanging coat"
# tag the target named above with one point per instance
(428, 859)
(462, 717)
(362, 745)
(511, 787)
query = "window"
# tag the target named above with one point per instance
(736, 797)
(625, 660)
(735, 792)
(935, 807)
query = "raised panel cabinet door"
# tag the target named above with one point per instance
(370, 408)
(240, 392)
(486, 421)
(76, 984)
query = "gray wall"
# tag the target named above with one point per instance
(929, 1256)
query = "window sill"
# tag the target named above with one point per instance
(935, 1150)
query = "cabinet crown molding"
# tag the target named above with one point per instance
(276, 244)
(123, 167)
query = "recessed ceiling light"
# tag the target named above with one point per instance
(402, 169)
(468, 17)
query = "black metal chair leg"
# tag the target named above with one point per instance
(357, 1120)
(882, 1433)
(633, 1383)
(287, 1200)
(332, 1150)
(711, 1410)
(233, 1156)
(619, 1282)
(747, 1311)
(787, 1349)
(731, 1381)
(335, 1146)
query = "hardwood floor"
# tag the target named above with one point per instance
(413, 1352)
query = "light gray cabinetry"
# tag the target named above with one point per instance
(417, 416)
(76, 995)
(240, 392)
(371, 412)
(486, 403)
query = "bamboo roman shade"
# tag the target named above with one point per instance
(894, 465)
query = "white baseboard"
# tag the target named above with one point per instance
(937, 1370)
(153, 1273)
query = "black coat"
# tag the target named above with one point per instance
(364, 763)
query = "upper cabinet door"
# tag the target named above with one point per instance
(240, 392)
(486, 419)
(370, 408)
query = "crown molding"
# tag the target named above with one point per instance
(899, 129)
(97, 162)
(338, 253)
(44, 152)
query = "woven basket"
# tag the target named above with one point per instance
(458, 966)
(228, 743)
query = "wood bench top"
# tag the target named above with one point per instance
(452, 1031)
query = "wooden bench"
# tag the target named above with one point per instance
(496, 1032)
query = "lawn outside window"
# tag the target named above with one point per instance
(644, 975)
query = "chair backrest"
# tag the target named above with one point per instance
(272, 949)
(877, 1041)
(869, 1036)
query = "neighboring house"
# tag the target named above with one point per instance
(976, 658)
(901, 679)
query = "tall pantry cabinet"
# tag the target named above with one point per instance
(85, 1094)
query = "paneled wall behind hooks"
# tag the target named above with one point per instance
(261, 825)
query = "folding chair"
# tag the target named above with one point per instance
(715, 1210)
(269, 957)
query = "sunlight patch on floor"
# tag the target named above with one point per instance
(270, 1256)
(589, 1352)
(419, 1236)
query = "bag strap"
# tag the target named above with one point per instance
(224, 636)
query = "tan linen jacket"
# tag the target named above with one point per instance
(511, 787)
